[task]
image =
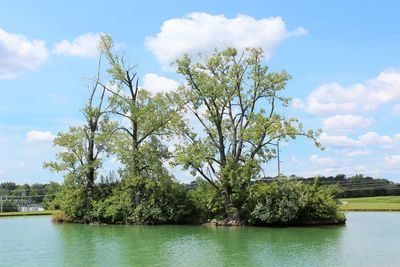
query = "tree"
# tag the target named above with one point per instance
(148, 117)
(85, 146)
(236, 100)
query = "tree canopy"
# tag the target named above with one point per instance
(225, 121)
(235, 99)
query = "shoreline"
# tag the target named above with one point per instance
(367, 209)
(28, 213)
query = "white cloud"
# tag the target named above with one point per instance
(155, 83)
(202, 32)
(18, 54)
(346, 168)
(85, 45)
(386, 141)
(335, 98)
(322, 161)
(347, 122)
(339, 140)
(357, 153)
(369, 138)
(392, 160)
(39, 137)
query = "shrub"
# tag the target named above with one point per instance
(319, 203)
(277, 202)
(289, 202)
(61, 217)
(71, 200)
(116, 208)
(146, 201)
(209, 204)
(162, 201)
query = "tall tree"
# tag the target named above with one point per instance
(85, 146)
(146, 117)
(236, 101)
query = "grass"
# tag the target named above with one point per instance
(387, 203)
(30, 213)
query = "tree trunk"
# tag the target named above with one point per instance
(89, 189)
(232, 215)
(91, 171)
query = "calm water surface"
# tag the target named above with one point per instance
(368, 239)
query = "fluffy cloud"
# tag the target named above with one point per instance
(347, 122)
(39, 137)
(339, 140)
(386, 141)
(202, 32)
(392, 160)
(335, 98)
(82, 46)
(19, 54)
(322, 161)
(369, 138)
(357, 153)
(155, 83)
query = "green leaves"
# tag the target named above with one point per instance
(237, 106)
(146, 119)
(234, 98)
(286, 201)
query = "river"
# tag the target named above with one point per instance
(368, 239)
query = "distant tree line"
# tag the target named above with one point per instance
(13, 195)
(353, 186)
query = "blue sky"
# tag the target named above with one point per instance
(344, 57)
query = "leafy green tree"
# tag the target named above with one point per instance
(84, 147)
(236, 100)
(7, 187)
(148, 117)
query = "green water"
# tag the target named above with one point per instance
(368, 239)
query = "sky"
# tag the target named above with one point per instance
(344, 57)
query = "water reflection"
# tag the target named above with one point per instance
(369, 239)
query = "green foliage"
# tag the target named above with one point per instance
(71, 198)
(162, 201)
(9, 206)
(278, 202)
(286, 202)
(234, 97)
(319, 203)
(61, 217)
(51, 190)
(41, 194)
(209, 204)
(115, 208)
(146, 201)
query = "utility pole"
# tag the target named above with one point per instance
(279, 159)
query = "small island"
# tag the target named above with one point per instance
(223, 124)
